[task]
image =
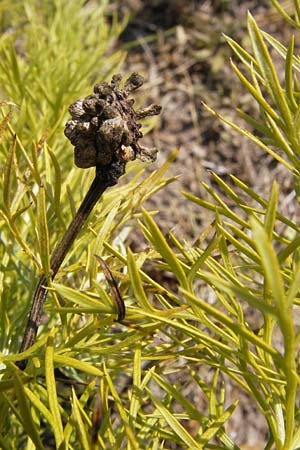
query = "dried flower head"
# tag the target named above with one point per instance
(105, 131)
(105, 128)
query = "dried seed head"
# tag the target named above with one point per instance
(133, 82)
(76, 110)
(125, 154)
(105, 128)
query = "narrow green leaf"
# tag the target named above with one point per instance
(123, 414)
(25, 355)
(8, 171)
(270, 264)
(221, 210)
(136, 283)
(238, 241)
(229, 191)
(175, 425)
(225, 207)
(217, 425)
(243, 55)
(192, 411)
(291, 248)
(39, 405)
(81, 428)
(83, 299)
(279, 140)
(26, 414)
(238, 328)
(19, 212)
(271, 211)
(136, 398)
(289, 75)
(238, 290)
(202, 258)
(254, 139)
(103, 234)
(180, 246)
(213, 400)
(34, 154)
(296, 440)
(223, 247)
(256, 94)
(67, 361)
(51, 391)
(42, 228)
(281, 49)
(58, 180)
(262, 202)
(31, 167)
(254, 124)
(284, 14)
(160, 244)
(269, 72)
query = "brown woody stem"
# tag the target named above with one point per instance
(98, 186)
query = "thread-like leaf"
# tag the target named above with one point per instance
(127, 429)
(51, 391)
(160, 244)
(136, 283)
(39, 405)
(238, 328)
(67, 361)
(8, 170)
(175, 425)
(289, 75)
(217, 425)
(256, 140)
(270, 264)
(135, 403)
(83, 299)
(26, 413)
(81, 429)
(43, 234)
(267, 67)
(271, 211)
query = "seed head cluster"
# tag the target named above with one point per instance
(105, 128)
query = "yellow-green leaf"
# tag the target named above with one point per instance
(42, 228)
(51, 390)
(26, 413)
(136, 283)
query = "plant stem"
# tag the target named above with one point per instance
(98, 186)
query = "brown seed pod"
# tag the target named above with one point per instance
(105, 128)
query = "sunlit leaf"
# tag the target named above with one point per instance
(51, 390)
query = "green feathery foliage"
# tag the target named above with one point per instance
(126, 378)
